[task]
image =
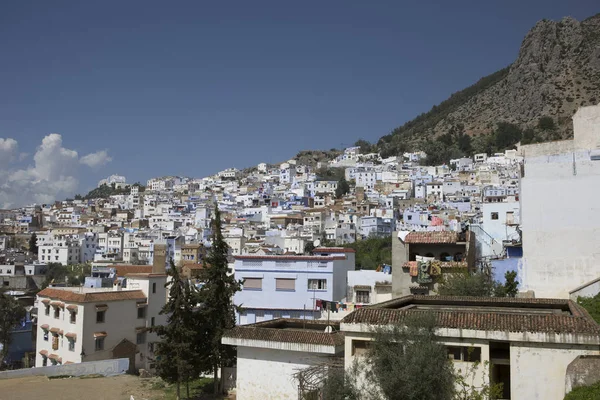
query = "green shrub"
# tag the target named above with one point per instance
(585, 393)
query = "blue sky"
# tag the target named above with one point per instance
(192, 87)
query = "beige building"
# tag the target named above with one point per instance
(89, 324)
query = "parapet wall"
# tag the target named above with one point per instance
(105, 368)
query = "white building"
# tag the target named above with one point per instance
(85, 324)
(559, 210)
(64, 249)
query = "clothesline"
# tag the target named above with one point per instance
(335, 306)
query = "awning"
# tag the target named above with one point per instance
(71, 335)
(46, 301)
(362, 287)
(72, 308)
(100, 334)
(140, 329)
(54, 357)
(54, 330)
(61, 332)
(57, 304)
(44, 353)
(141, 305)
(45, 327)
(101, 307)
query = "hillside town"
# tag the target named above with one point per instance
(308, 292)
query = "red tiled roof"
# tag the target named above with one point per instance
(274, 331)
(333, 250)
(91, 297)
(431, 237)
(478, 318)
(123, 270)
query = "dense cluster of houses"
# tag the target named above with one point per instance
(528, 210)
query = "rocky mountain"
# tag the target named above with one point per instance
(557, 71)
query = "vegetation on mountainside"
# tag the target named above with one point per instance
(330, 173)
(104, 191)
(592, 305)
(343, 187)
(398, 141)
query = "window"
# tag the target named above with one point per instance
(100, 315)
(54, 342)
(141, 338)
(359, 347)
(494, 215)
(285, 284)
(99, 343)
(252, 284)
(44, 361)
(362, 296)
(71, 345)
(464, 353)
(47, 309)
(56, 312)
(317, 284)
(152, 321)
(141, 312)
(153, 287)
(151, 347)
(45, 335)
(73, 317)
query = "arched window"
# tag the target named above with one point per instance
(413, 256)
(458, 257)
(429, 255)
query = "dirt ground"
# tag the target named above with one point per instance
(112, 388)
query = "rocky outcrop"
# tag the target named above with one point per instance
(557, 71)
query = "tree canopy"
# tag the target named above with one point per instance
(11, 314)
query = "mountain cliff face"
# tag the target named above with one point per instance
(557, 71)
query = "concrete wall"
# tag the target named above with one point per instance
(589, 289)
(105, 368)
(400, 279)
(561, 223)
(538, 371)
(267, 374)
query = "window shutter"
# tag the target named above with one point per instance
(285, 284)
(253, 283)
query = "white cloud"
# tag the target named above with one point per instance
(97, 159)
(8, 151)
(53, 176)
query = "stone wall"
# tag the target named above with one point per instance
(583, 371)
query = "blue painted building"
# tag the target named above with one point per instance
(290, 286)
(512, 262)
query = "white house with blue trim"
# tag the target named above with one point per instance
(288, 286)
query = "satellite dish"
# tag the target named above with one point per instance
(317, 243)
(328, 329)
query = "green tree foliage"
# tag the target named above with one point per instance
(343, 187)
(365, 147)
(330, 173)
(33, 248)
(55, 273)
(11, 313)
(372, 252)
(585, 393)
(478, 284)
(308, 248)
(592, 305)
(177, 358)
(216, 296)
(105, 191)
(506, 135)
(528, 136)
(546, 124)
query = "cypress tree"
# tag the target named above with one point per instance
(216, 296)
(176, 361)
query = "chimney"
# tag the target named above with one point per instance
(160, 259)
(117, 285)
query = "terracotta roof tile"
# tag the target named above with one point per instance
(572, 319)
(443, 264)
(291, 258)
(431, 237)
(277, 331)
(123, 270)
(91, 297)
